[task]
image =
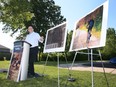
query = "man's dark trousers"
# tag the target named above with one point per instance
(32, 57)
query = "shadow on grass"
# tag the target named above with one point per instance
(49, 63)
(41, 82)
(99, 64)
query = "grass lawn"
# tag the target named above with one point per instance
(83, 78)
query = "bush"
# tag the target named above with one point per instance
(109, 50)
(69, 56)
(7, 56)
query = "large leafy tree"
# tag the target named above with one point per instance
(13, 13)
(17, 15)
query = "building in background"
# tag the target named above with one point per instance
(5, 53)
(4, 49)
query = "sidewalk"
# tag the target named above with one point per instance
(86, 66)
(3, 70)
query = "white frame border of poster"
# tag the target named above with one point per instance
(103, 28)
(59, 49)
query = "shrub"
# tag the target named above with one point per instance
(7, 56)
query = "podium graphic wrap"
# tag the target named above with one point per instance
(19, 61)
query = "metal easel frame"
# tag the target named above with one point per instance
(92, 72)
(58, 66)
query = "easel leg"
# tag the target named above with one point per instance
(67, 63)
(88, 54)
(74, 60)
(71, 79)
(92, 68)
(58, 70)
(68, 70)
(45, 65)
(103, 68)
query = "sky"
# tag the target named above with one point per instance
(5, 39)
(72, 10)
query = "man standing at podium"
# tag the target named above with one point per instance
(33, 38)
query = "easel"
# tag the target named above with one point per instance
(58, 66)
(92, 72)
(90, 53)
(92, 75)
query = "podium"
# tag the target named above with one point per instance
(18, 68)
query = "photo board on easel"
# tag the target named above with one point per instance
(56, 38)
(90, 30)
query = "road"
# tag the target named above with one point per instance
(86, 66)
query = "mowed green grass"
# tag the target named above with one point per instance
(83, 78)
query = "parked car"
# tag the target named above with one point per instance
(113, 60)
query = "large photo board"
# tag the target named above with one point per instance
(56, 39)
(90, 30)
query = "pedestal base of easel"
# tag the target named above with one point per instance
(71, 79)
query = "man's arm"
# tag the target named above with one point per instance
(41, 39)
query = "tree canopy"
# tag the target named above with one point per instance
(17, 15)
(13, 13)
(110, 49)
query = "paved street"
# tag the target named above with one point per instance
(86, 66)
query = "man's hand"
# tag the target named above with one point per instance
(41, 39)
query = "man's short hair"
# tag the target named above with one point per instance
(30, 26)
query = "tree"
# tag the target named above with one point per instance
(13, 13)
(17, 15)
(110, 49)
(68, 40)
